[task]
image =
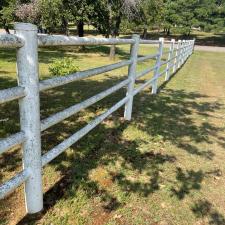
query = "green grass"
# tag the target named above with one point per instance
(166, 166)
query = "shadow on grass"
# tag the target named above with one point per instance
(8, 56)
(204, 209)
(189, 180)
(217, 40)
(166, 117)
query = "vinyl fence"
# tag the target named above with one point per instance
(26, 41)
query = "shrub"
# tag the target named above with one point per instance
(63, 67)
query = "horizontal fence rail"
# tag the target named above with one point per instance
(11, 94)
(57, 40)
(10, 41)
(11, 141)
(26, 42)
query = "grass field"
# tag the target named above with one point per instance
(166, 166)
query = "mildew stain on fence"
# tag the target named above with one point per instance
(26, 41)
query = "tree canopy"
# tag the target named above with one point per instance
(108, 15)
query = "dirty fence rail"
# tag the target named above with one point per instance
(26, 41)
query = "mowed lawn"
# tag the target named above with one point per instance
(164, 167)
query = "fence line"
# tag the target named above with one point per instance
(26, 41)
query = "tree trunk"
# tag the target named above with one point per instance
(112, 53)
(168, 32)
(65, 29)
(80, 28)
(114, 33)
(145, 32)
(6, 27)
(80, 32)
(189, 32)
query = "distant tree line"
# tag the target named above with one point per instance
(109, 17)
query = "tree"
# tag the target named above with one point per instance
(54, 15)
(7, 9)
(216, 17)
(171, 15)
(28, 12)
(182, 14)
(150, 14)
(108, 14)
(80, 11)
(49, 14)
(189, 17)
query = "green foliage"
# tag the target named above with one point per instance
(80, 9)
(107, 15)
(151, 11)
(7, 13)
(54, 15)
(206, 14)
(63, 67)
(7, 9)
(127, 26)
(112, 16)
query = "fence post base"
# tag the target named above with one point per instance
(158, 64)
(168, 66)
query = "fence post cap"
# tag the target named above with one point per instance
(25, 26)
(173, 40)
(135, 37)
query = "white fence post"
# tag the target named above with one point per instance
(158, 63)
(168, 66)
(183, 52)
(28, 77)
(175, 60)
(132, 75)
(179, 54)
